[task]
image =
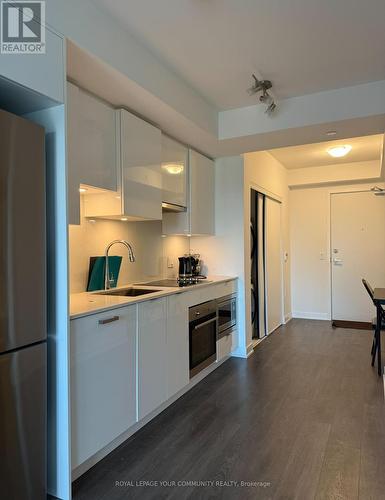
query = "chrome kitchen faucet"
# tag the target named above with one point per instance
(131, 258)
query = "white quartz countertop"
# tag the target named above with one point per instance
(86, 303)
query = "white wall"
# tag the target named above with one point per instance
(152, 252)
(310, 249)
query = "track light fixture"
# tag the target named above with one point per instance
(263, 86)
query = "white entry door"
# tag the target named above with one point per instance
(357, 251)
(273, 265)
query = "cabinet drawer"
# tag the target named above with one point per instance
(226, 288)
(219, 290)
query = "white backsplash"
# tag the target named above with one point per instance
(153, 252)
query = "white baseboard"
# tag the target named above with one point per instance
(256, 342)
(288, 317)
(311, 315)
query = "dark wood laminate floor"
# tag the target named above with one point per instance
(304, 417)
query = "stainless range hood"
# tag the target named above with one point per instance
(170, 207)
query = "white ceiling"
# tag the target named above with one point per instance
(314, 155)
(303, 46)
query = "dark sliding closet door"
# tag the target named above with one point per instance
(266, 264)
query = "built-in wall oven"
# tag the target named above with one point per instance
(227, 314)
(203, 336)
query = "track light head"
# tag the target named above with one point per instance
(263, 86)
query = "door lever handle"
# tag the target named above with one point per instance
(337, 261)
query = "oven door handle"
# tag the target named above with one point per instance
(201, 325)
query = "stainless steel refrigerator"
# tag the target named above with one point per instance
(23, 325)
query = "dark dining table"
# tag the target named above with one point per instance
(379, 300)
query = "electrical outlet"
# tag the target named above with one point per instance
(170, 263)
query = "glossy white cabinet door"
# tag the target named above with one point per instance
(152, 356)
(202, 194)
(177, 343)
(91, 146)
(91, 139)
(140, 156)
(96, 155)
(103, 380)
(200, 215)
(174, 172)
(43, 73)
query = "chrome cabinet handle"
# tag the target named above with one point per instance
(108, 320)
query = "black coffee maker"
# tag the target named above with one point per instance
(190, 270)
(185, 270)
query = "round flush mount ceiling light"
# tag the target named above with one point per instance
(173, 168)
(82, 190)
(339, 151)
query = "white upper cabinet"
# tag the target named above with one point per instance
(91, 146)
(140, 158)
(174, 172)
(202, 194)
(96, 142)
(43, 73)
(139, 177)
(200, 215)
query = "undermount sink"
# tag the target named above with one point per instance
(128, 292)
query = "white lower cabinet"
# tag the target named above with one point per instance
(103, 380)
(152, 355)
(177, 343)
(127, 362)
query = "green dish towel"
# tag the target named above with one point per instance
(97, 272)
